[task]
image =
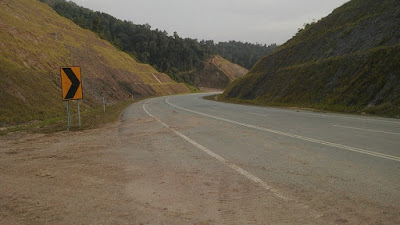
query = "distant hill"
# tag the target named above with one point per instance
(348, 61)
(172, 54)
(243, 54)
(217, 73)
(35, 42)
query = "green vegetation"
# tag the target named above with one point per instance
(21, 96)
(35, 42)
(243, 54)
(90, 118)
(193, 89)
(346, 62)
(176, 56)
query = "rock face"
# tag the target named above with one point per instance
(35, 42)
(347, 61)
(218, 73)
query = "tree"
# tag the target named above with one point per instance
(170, 54)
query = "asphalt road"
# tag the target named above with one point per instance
(343, 168)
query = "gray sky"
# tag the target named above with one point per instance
(262, 21)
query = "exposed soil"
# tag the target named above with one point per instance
(136, 171)
(63, 178)
(218, 73)
(127, 173)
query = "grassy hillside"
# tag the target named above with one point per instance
(35, 42)
(176, 56)
(348, 61)
(217, 73)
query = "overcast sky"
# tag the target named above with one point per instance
(261, 21)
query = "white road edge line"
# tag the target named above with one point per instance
(316, 114)
(371, 130)
(353, 149)
(221, 159)
(354, 118)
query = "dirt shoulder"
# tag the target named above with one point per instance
(66, 177)
(134, 171)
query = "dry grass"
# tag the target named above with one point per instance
(90, 118)
(35, 42)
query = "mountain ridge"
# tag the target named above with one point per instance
(181, 58)
(347, 62)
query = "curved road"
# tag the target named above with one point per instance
(298, 166)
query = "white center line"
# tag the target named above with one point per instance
(353, 118)
(220, 158)
(344, 147)
(328, 115)
(371, 130)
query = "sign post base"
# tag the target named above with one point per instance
(68, 115)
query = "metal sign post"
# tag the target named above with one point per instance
(68, 116)
(71, 85)
(79, 115)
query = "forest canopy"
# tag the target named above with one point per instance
(171, 54)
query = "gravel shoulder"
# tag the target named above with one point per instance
(130, 172)
(134, 171)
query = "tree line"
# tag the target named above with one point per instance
(171, 54)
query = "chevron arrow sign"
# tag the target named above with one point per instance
(71, 83)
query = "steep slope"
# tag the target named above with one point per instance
(35, 42)
(217, 73)
(348, 61)
(177, 56)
